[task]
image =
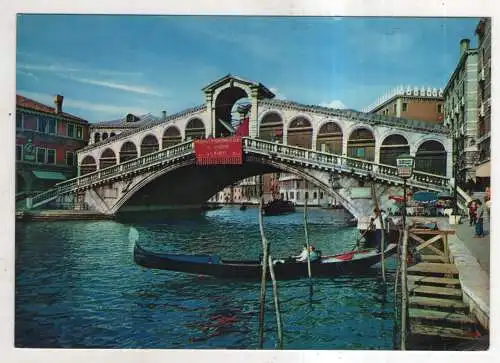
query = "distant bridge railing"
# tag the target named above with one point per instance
(344, 163)
(271, 149)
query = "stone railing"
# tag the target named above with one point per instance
(343, 163)
(142, 162)
(271, 149)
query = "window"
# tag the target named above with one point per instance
(71, 130)
(19, 152)
(307, 195)
(19, 120)
(282, 195)
(292, 195)
(40, 155)
(70, 158)
(97, 137)
(394, 108)
(298, 195)
(79, 132)
(405, 106)
(51, 156)
(439, 108)
(51, 126)
(41, 124)
(320, 195)
(315, 195)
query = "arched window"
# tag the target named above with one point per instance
(108, 158)
(329, 138)
(171, 136)
(128, 151)
(361, 144)
(149, 145)
(271, 127)
(88, 165)
(195, 129)
(97, 137)
(300, 133)
(391, 148)
(431, 158)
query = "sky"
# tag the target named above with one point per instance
(109, 65)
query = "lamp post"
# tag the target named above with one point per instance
(405, 170)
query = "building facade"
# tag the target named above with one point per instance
(105, 129)
(461, 112)
(483, 168)
(423, 104)
(46, 141)
(297, 190)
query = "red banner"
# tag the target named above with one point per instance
(219, 151)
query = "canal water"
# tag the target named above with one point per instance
(78, 287)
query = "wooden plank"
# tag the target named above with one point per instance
(429, 267)
(432, 280)
(434, 290)
(436, 251)
(431, 231)
(433, 258)
(431, 241)
(422, 329)
(436, 302)
(426, 314)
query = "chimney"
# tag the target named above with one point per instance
(464, 46)
(58, 100)
(163, 115)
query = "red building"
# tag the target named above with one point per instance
(46, 140)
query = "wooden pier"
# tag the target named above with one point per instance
(435, 298)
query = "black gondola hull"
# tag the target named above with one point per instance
(213, 266)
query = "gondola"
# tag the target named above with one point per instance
(278, 207)
(353, 262)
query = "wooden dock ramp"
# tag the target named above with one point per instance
(435, 298)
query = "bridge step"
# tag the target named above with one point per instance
(424, 314)
(426, 280)
(436, 302)
(441, 331)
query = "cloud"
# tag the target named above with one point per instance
(333, 104)
(84, 105)
(28, 74)
(110, 84)
(278, 94)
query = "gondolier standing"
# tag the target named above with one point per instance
(377, 225)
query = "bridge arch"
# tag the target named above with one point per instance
(107, 159)
(431, 157)
(104, 135)
(171, 136)
(97, 137)
(361, 143)
(225, 97)
(88, 165)
(149, 144)
(266, 163)
(300, 131)
(112, 134)
(392, 146)
(329, 137)
(195, 129)
(271, 126)
(128, 151)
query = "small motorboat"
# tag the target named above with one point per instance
(278, 207)
(353, 262)
(243, 207)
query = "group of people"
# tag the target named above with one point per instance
(476, 217)
(313, 254)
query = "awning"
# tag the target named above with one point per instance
(484, 170)
(49, 175)
(423, 196)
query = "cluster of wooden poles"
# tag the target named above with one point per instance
(266, 246)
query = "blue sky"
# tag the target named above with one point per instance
(107, 66)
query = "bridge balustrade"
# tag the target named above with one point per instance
(271, 148)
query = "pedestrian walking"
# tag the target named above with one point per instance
(472, 213)
(480, 219)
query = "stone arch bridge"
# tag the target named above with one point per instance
(154, 164)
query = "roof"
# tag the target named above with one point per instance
(30, 104)
(122, 123)
(369, 118)
(263, 90)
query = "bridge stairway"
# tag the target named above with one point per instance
(435, 301)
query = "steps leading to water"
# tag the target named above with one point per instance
(435, 301)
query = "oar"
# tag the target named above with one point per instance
(307, 246)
